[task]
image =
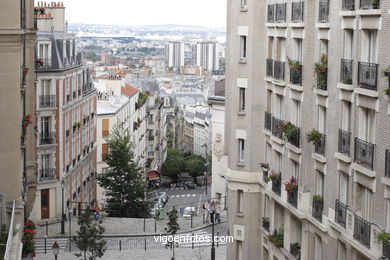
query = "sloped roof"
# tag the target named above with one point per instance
(129, 90)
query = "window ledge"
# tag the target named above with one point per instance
(281, 24)
(386, 181)
(295, 87)
(319, 157)
(241, 113)
(297, 25)
(270, 24)
(321, 92)
(267, 132)
(343, 157)
(279, 82)
(323, 25)
(369, 12)
(293, 148)
(244, 9)
(277, 140)
(240, 164)
(367, 92)
(347, 13)
(348, 87)
(239, 214)
(242, 61)
(363, 170)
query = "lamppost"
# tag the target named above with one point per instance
(212, 235)
(206, 164)
(56, 249)
(62, 209)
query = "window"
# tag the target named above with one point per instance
(317, 248)
(281, 50)
(295, 170)
(345, 115)
(342, 252)
(343, 187)
(269, 100)
(268, 152)
(321, 119)
(387, 163)
(298, 49)
(44, 52)
(348, 44)
(387, 214)
(104, 151)
(320, 183)
(241, 149)
(243, 4)
(363, 200)
(243, 47)
(278, 108)
(370, 46)
(296, 113)
(45, 87)
(240, 195)
(45, 161)
(105, 128)
(239, 250)
(271, 53)
(278, 161)
(242, 100)
(45, 126)
(367, 125)
(323, 47)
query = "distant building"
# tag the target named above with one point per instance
(106, 58)
(206, 55)
(174, 54)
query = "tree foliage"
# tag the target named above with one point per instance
(195, 166)
(172, 225)
(89, 238)
(123, 181)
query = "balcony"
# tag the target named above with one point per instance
(269, 67)
(277, 130)
(364, 153)
(348, 5)
(151, 138)
(362, 231)
(344, 144)
(297, 9)
(47, 101)
(346, 71)
(279, 70)
(317, 208)
(292, 198)
(322, 80)
(296, 75)
(277, 185)
(271, 13)
(265, 224)
(386, 250)
(319, 147)
(341, 213)
(369, 4)
(368, 75)
(323, 12)
(47, 174)
(294, 136)
(268, 120)
(280, 12)
(47, 138)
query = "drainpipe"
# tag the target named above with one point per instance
(23, 93)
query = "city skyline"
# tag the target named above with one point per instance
(176, 12)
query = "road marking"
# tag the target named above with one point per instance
(177, 196)
(188, 195)
(193, 195)
(183, 195)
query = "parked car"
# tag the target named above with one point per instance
(190, 185)
(155, 210)
(163, 195)
(188, 212)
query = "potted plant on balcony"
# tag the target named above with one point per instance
(314, 136)
(277, 237)
(28, 239)
(290, 131)
(266, 223)
(384, 237)
(292, 185)
(27, 120)
(294, 64)
(322, 65)
(386, 71)
(295, 250)
(39, 63)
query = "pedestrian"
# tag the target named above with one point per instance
(218, 212)
(212, 211)
(96, 214)
(206, 207)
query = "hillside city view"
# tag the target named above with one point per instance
(208, 130)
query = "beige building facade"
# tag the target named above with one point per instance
(299, 70)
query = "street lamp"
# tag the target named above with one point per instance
(62, 209)
(212, 214)
(56, 249)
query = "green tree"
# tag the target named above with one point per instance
(123, 181)
(195, 166)
(173, 166)
(89, 238)
(172, 228)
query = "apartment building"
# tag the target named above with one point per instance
(206, 55)
(66, 119)
(17, 102)
(174, 54)
(306, 94)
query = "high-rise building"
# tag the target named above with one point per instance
(17, 130)
(206, 55)
(66, 119)
(306, 95)
(174, 54)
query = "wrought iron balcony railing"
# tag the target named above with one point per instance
(369, 4)
(268, 121)
(386, 250)
(344, 142)
(279, 70)
(271, 13)
(297, 10)
(296, 75)
(47, 101)
(277, 127)
(265, 225)
(319, 147)
(292, 198)
(346, 71)
(280, 11)
(47, 138)
(348, 5)
(47, 174)
(323, 12)
(368, 75)
(317, 209)
(362, 231)
(277, 186)
(364, 153)
(295, 138)
(269, 67)
(322, 80)
(341, 213)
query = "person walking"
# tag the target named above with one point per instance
(218, 212)
(206, 208)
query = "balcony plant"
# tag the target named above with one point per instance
(322, 65)
(314, 136)
(318, 197)
(266, 223)
(290, 131)
(292, 185)
(386, 71)
(275, 176)
(384, 237)
(295, 250)
(294, 64)
(28, 239)
(39, 63)
(27, 120)
(277, 237)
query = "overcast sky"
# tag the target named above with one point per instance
(147, 12)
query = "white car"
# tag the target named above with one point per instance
(188, 212)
